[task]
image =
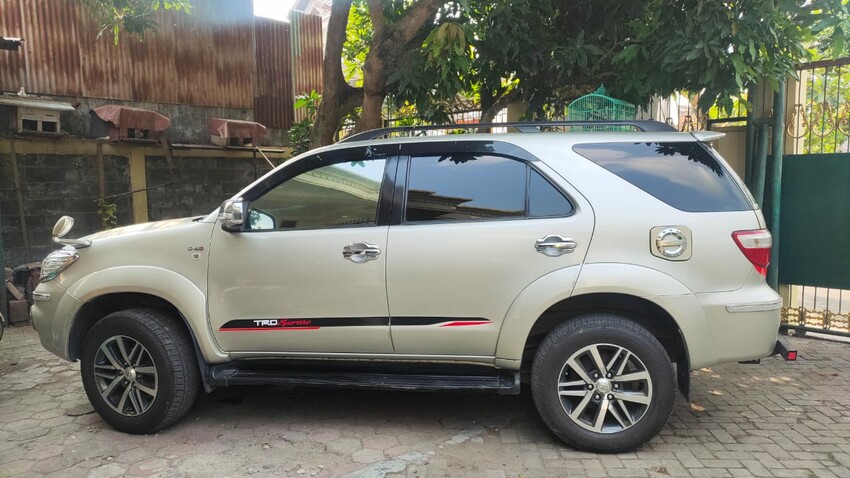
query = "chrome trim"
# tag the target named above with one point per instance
(554, 245)
(40, 296)
(75, 243)
(754, 307)
(671, 248)
(360, 252)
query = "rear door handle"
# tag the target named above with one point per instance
(554, 245)
(360, 252)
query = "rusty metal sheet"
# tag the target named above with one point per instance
(46, 64)
(273, 103)
(12, 71)
(307, 54)
(217, 56)
(205, 58)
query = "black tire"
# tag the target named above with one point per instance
(605, 332)
(169, 348)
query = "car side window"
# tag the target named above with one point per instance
(544, 200)
(338, 195)
(470, 187)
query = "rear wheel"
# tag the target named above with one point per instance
(138, 369)
(603, 383)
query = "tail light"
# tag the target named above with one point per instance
(756, 246)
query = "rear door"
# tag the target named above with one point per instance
(472, 230)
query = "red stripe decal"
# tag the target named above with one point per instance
(462, 324)
(266, 329)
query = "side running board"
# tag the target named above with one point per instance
(502, 382)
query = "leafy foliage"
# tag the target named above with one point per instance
(548, 52)
(298, 136)
(108, 212)
(133, 16)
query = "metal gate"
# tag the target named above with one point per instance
(814, 247)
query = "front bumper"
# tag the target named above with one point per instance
(52, 315)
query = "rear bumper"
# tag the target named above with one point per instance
(723, 327)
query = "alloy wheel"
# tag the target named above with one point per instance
(604, 388)
(125, 375)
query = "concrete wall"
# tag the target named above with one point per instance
(197, 185)
(733, 147)
(49, 178)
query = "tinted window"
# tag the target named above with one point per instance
(544, 200)
(343, 194)
(684, 175)
(465, 187)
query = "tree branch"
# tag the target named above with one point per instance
(337, 23)
(413, 19)
(376, 13)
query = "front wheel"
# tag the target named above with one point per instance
(139, 371)
(603, 383)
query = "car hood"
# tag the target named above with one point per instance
(137, 229)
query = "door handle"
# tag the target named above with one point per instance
(554, 245)
(360, 252)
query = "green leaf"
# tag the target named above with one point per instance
(837, 44)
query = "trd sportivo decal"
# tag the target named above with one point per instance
(261, 325)
(252, 325)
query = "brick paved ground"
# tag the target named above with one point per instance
(774, 419)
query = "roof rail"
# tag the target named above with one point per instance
(521, 126)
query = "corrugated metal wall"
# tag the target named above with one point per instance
(274, 99)
(307, 55)
(208, 58)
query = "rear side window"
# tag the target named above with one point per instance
(684, 175)
(466, 187)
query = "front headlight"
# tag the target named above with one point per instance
(56, 262)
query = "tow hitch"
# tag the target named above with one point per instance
(784, 349)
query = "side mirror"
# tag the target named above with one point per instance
(231, 215)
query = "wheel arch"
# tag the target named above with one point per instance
(130, 286)
(644, 312)
(99, 307)
(616, 287)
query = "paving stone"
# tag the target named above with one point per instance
(367, 455)
(774, 419)
(343, 446)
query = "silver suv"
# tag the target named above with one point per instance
(596, 267)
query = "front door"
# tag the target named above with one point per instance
(307, 272)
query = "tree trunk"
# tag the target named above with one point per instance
(335, 92)
(388, 43)
(374, 86)
(489, 111)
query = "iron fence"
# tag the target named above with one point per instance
(818, 121)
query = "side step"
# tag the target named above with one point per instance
(236, 373)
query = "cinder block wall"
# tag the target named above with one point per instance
(49, 178)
